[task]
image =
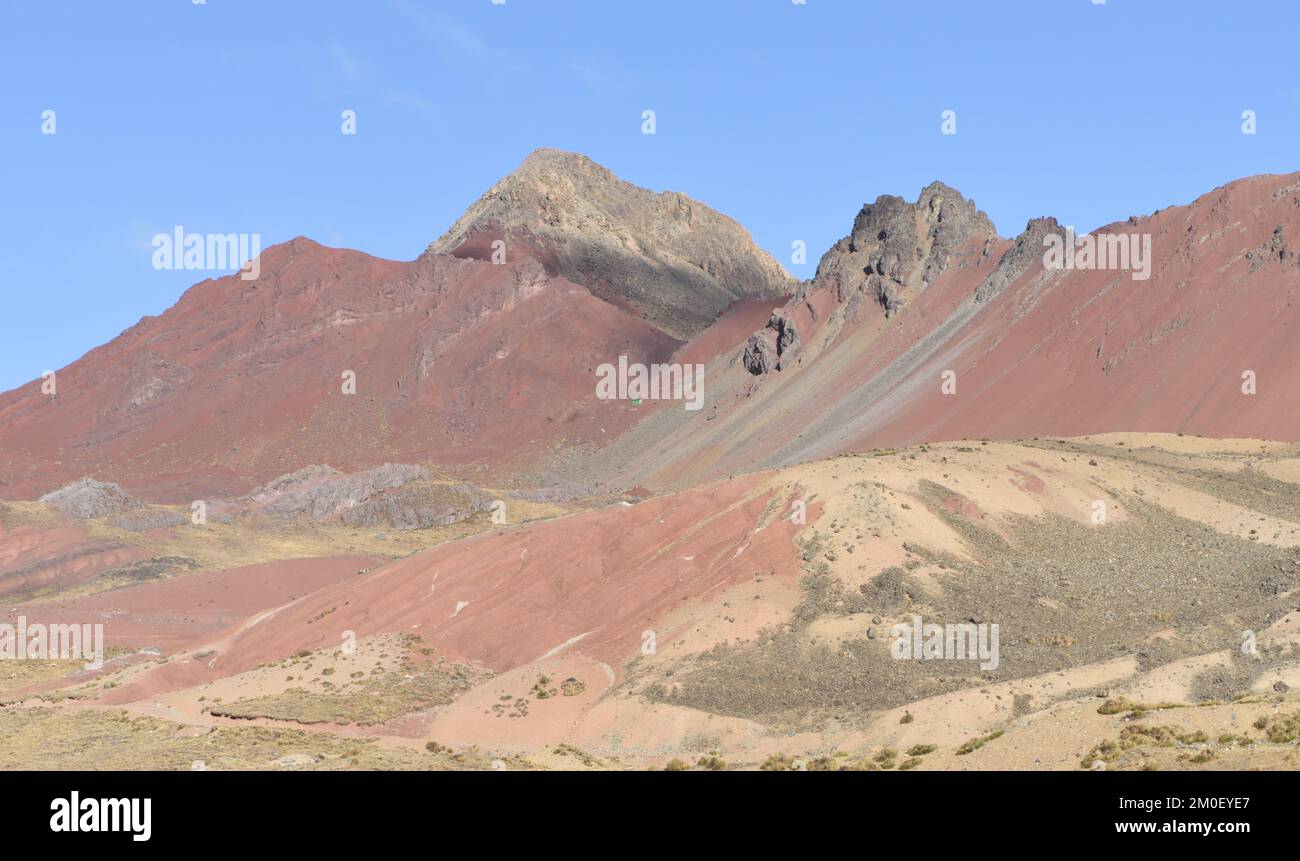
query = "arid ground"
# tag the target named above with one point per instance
(707, 628)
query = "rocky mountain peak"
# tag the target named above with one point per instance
(897, 248)
(673, 260)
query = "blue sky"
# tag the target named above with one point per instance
(225, 117)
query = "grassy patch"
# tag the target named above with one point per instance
(975, 744)
(113, 740)
(365, 701)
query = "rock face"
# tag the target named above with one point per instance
(760, 354)
(898, 248)
(1026, 253)
(895, 251)
(396, 495)
(419, 505)
(1273, 250)
(322, 492)
(674, 260)
(89, 498)
(768, 349)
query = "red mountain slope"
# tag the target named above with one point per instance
(1033, 351)
(456, 362)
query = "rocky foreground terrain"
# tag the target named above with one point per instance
(711, 629)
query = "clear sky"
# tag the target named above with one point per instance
(225, 117)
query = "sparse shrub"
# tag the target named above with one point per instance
(777, 762)
(976, 743)
(1285, 729)
(1114, 707)
(1135, 710)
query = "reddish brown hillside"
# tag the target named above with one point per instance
(458, 362)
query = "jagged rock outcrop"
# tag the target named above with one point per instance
(1272, 250)
(897, 248)
(1025, 253)
(760, 354)
(787, 337)
(87, 498)
(768, 349)
(677, 262)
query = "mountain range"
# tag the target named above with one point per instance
(364, 513)
(486, 366)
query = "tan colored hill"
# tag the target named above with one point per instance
(667, 258)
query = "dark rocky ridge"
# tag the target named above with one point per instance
(1025, 253)
(897, 248)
